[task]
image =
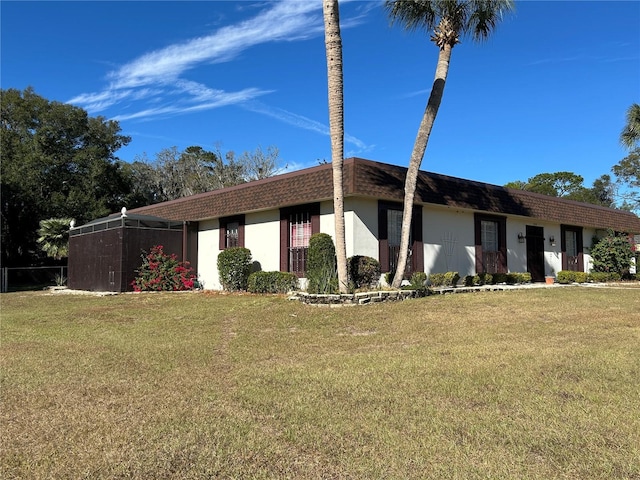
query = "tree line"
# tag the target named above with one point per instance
(59, 162)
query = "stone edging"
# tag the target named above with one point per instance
(361, 298)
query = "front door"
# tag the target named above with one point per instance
(535, 253)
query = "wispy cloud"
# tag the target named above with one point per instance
(302, 122)
(159, 76)
(156, 84)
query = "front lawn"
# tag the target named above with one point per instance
(531, 384)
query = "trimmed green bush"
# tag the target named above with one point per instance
(483, 279)
(566, 276)
(581, 277)
(418, 280)
(451, 278)
(601, 277)
(234, 268)
(321, 273)
(499, 278)
(272, 282)
(448, 279)
(364, 272)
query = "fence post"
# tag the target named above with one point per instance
(5, 280)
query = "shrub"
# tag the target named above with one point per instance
(525, 277)
(234, 267)
(364, 272)
(436, 279)
(483, 279)
(449, 279)
(518, 277)
(162, 272)
(418, 280)
(499, 278)
(566, 276)
(321, 271)
(468, 281)
(272, 282)
(581, 277)
(601, 277)
(612, 253)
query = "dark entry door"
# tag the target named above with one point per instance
(535, 253)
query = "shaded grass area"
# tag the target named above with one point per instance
(521, 384)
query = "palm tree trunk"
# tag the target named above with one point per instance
(419, 148)
(333, 45)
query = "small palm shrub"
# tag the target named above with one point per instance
(364, 272)
(234, 268)
(162, 272)
(53, 237)
(321, 269)
(272, 282)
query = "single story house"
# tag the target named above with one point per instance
(458, 225)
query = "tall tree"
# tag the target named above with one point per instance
(175, 174)
(627, 170)
(56, 162)
(260, 163)
(569, 185)
(448, 20)
(333, 45)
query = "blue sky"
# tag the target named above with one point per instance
(547, 92)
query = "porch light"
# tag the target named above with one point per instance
(521, 237)
(552, 241)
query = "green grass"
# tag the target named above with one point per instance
(528, 384)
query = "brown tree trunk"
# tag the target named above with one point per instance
(419, 148)
(333, 44)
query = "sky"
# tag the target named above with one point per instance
(547, 92)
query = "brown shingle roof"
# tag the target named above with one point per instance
(384, 181)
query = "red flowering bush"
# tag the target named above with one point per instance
(162, 272)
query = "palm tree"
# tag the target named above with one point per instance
(333, 45)
(53, 237)
(630, 135)
(448, 20)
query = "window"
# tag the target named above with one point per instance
(571, 246)
(299, 235)
(296, 227)
(231, 232)
(389, 235)
(489, 232)
(491, 240)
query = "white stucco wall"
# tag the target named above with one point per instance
(262, 238)
(208, 243)
(448, 241)
(362, 227)
(448, 234)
